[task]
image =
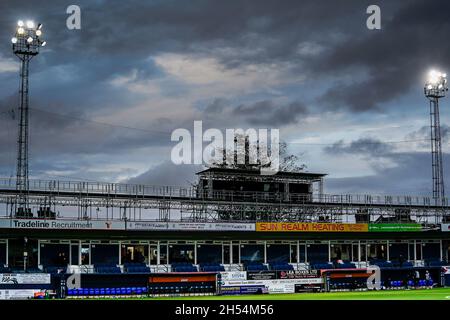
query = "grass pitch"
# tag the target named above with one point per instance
(419, 294)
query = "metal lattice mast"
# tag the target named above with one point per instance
(436, 88)
(26, 43)
(22, 141)
(436, 151)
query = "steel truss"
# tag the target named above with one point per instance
(201, 210)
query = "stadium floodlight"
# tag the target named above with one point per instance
(25, 44)
(436, 85)
(30, 24)
(435, 88)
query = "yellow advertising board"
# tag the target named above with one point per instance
(311, 227)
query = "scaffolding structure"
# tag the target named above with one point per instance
(104, 201)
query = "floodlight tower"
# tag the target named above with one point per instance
(436, 88)
(25, 44)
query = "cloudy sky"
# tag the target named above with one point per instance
(348, 100)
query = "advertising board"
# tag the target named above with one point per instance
(310, 227)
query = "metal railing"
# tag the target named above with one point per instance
(134, 190)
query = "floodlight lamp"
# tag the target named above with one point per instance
(20, 23)
(29, 39)
(434, 76)
(14, 40)
(436, 85)
(39, 26)
(38, 32)
(20, 30)
(44, 43)
(30, 24)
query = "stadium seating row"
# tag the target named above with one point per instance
(107, 291)
(411, 283)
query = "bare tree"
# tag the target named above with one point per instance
(288, 162)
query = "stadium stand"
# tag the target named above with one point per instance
(436, 263)
(183, 267)
(136, 268)
(279, 266)
(344, 265)
(383, 264)
(211, 267)
(107, 268)
(4, 269)
(255, 266)
(317, 265)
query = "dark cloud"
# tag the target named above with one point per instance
(347, 66)
(423, 135)
(391, 61)
(364, 146)
(394, 172)
(265, 113)
(410, 175)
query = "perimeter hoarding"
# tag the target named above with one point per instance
(310, 227)
(24, 278)
(395, 227)
(190, 226)
(61, 224)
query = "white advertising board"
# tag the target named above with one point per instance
(24, 278)
(234, 275)
(190, 226)
(282, 288)
(17, 294)
(143, 225)
(271, 282)
(212, 226)
(61, 224)
(445, 227)
(273, 286)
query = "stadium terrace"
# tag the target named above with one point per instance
(235, 232)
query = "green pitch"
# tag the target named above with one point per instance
(422, 294)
